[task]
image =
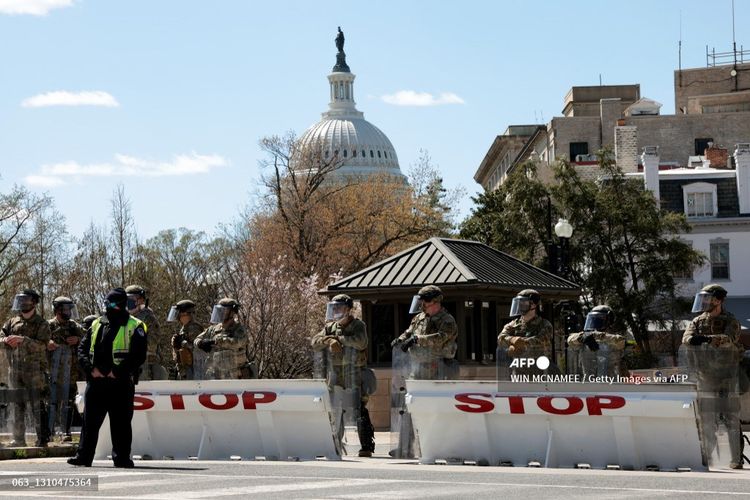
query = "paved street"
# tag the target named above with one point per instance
(369, 478)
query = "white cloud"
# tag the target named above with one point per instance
(65, 98)
(57, 174)
(412, 98)
(32, 7)
(41, 181)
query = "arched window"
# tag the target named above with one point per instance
(379, 154)
(345, 153)
(372, 155)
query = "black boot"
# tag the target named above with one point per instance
(365, 432)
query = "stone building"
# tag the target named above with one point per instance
(696, 161)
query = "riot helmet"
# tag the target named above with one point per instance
(599, 319)
(702, 302)
(521, 303)
(135, 292)
(183, 306)
(223, 310)
(65, 307)
(427, 293)
(25, 301)
(338, 307)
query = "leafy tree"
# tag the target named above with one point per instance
(624, 251)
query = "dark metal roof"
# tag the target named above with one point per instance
(452, 263)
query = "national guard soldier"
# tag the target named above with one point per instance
(182, 342)
(598, 348)
(425, 351)
(430, 339)
(343, 344)
(26, 338)
(714, 353)
(111, 356)
(159, 355)
(527, 336)
(225, 342)
(63, 363)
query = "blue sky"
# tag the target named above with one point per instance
(171, 97)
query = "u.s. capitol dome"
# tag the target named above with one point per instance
(361, 147)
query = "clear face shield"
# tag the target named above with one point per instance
(132, 303)
(416, 305)
(520, 306)
(336, 311)
(595, 322)
(22, 303)
(702, 302)
(67, 311)
(219, 314)
(173, 315)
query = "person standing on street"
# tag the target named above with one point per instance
(111, 356)
(26, 336)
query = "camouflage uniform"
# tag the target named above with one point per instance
(346, 371)
(28, 373)
(188, 333)
(606, 359)
(354, 336)
(153, 334)
(229, 353)
(536, 334)
(60, 333)
(436, 340)
(717, 368)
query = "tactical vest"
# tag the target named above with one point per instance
(121, 343)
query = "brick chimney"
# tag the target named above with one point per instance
(742, 162)
(626, 148)
(650, 162)
(716, 156)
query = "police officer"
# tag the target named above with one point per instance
(159, 355)
(63, 362)
(714, 337)
(529, 334)
(341, 331)
(182, 342)
(433, 331)
(26, 337)
(599, 334)
(111, 356)
(225, 341)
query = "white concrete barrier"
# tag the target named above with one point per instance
(219, 419)
(557, 425)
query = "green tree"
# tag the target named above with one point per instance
(624, 251)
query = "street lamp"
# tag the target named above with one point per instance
(563, 230)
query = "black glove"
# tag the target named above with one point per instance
(590, 342)
(177, 341)
(206, 345)
(396, 342)
(699, 339)
(408, 343)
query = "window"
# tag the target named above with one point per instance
(700, 200)
(578, 148)
(720, 260)
(372, 155)
(701, 145)
(345, 153)
(378, 154)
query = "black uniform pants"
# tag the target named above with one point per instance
(113, 397)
